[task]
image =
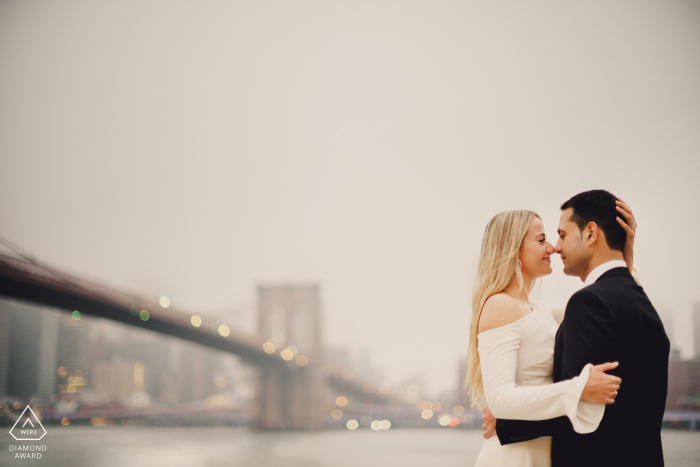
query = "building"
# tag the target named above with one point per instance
(74, 357)
(5, 333)
(195, 378)
(28, 354)
(683, 385)
(696, 329)
(117, 380)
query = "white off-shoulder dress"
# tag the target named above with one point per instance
(516, 367)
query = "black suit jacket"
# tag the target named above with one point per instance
(611, 320)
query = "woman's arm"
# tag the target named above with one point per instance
(498, 352)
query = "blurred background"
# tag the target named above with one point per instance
(245, 232)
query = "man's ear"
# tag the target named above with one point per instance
(590, 233)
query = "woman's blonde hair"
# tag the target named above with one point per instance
(498, 262)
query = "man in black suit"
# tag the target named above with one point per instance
(609, 320)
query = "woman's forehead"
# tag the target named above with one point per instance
(536, 226)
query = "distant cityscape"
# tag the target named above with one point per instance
(81, 369)
(75, 368)
(67, 361)
(684, 375)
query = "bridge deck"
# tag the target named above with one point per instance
(32, 282)
(27, 281)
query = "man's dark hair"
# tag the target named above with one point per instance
(598, 206)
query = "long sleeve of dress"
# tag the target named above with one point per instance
(498, 352)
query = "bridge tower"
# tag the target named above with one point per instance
(289, 315)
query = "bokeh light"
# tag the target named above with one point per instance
(76, 315)
(426, 414)
(352, 424)
(337, 414)
(302, 360)
(224, 330)
(196, 321)
(138, 374)
(341, 401)
(268, 347)
(164, 302)
(287, 354)
(144, 315)
(220, 382)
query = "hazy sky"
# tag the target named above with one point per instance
(197, 149)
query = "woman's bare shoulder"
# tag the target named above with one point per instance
(499, 310)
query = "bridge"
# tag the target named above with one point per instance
(291, 382)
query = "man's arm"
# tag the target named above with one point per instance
(517, 431)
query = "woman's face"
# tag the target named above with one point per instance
(535, 251)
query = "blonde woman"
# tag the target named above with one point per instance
(512, 343)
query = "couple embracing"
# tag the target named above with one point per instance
(584, 386)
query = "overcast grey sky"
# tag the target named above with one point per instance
(197, 149)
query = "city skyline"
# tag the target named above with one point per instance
(104, 361)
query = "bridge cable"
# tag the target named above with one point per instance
(22, 253)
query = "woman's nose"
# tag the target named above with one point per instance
(549, 248)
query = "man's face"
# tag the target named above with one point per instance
(571, 247)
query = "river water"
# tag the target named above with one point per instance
(115, 446)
